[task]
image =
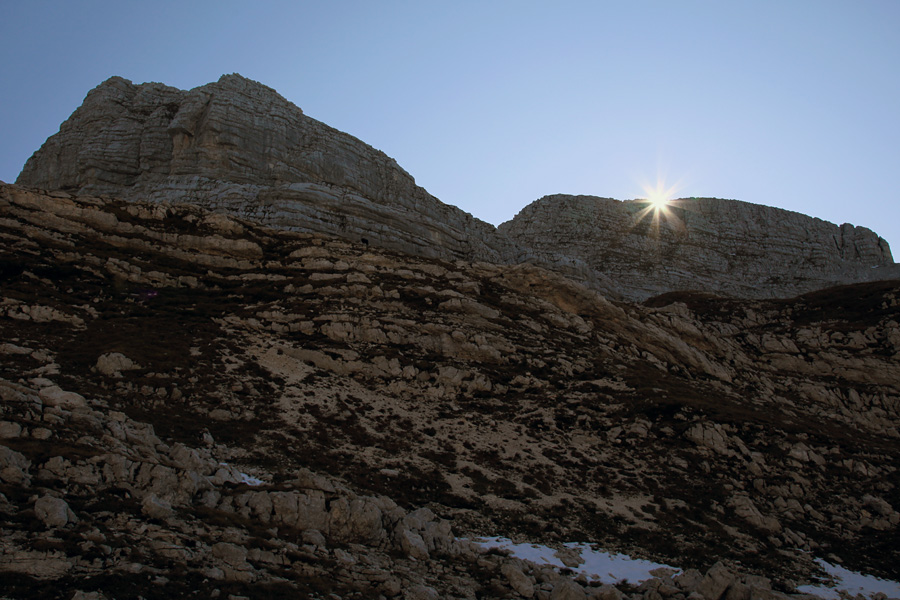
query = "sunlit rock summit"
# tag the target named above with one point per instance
(236, 146)
(723, 247)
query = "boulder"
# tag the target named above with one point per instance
(57, 397)
(518, 580)
(716, 581)
(566, 589)
(112, 364)
(53, 512)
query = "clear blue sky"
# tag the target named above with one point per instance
(491, 105)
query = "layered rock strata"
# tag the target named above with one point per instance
(236, 146)
(724, 247)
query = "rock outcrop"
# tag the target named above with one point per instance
(236, 146)
(723, 247)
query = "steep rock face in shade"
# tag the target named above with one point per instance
(237, 146)
(724, 247)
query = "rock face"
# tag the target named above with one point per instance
(236, 146)
(724, 247)
(194, 402)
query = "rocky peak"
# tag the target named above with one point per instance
(725, 247)
(237, 146)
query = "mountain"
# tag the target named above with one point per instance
(724, 247)
(237, 147)
(199, 403)
(155, 358)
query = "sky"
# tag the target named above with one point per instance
(491, 105)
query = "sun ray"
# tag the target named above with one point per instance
(659, 200)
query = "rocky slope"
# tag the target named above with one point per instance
(710, 245)
(388, 405)
(235, 146)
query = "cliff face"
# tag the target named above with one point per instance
(724, 247)
(237, 146)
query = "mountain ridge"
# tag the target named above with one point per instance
(236, 146)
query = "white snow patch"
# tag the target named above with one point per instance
(251, 480)
(851, 583)
(597, 564)
(247, 479)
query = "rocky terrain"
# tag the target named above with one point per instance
(237, 147)
(710, 245)
(243, 355)
(194, 404)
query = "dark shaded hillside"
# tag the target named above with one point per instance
(507, 400)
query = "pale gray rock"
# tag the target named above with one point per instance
(156, 508)
(9, 429)
(421, 592)
(14, 466)
(605, 592)
(412, 544)
(724, 247)
(113, 363)
(55, 396)
(237, 146)
(53, 512)
(233, 555)
(40, 565)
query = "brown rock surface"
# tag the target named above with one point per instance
(690, 429)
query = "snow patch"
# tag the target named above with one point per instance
(246, 479)
(595, 564)
(251, 480)
(849, 582)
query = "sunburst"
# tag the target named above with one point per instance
(659, 199)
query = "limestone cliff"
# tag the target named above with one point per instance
(717, 246)
(237, 146)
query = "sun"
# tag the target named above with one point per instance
(659, 204)
(658, 201)
(659, 196)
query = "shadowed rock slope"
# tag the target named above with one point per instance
(236, 146)
(156, 355)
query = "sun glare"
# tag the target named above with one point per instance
(658, 201)
(659, 196)
(657, 206)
